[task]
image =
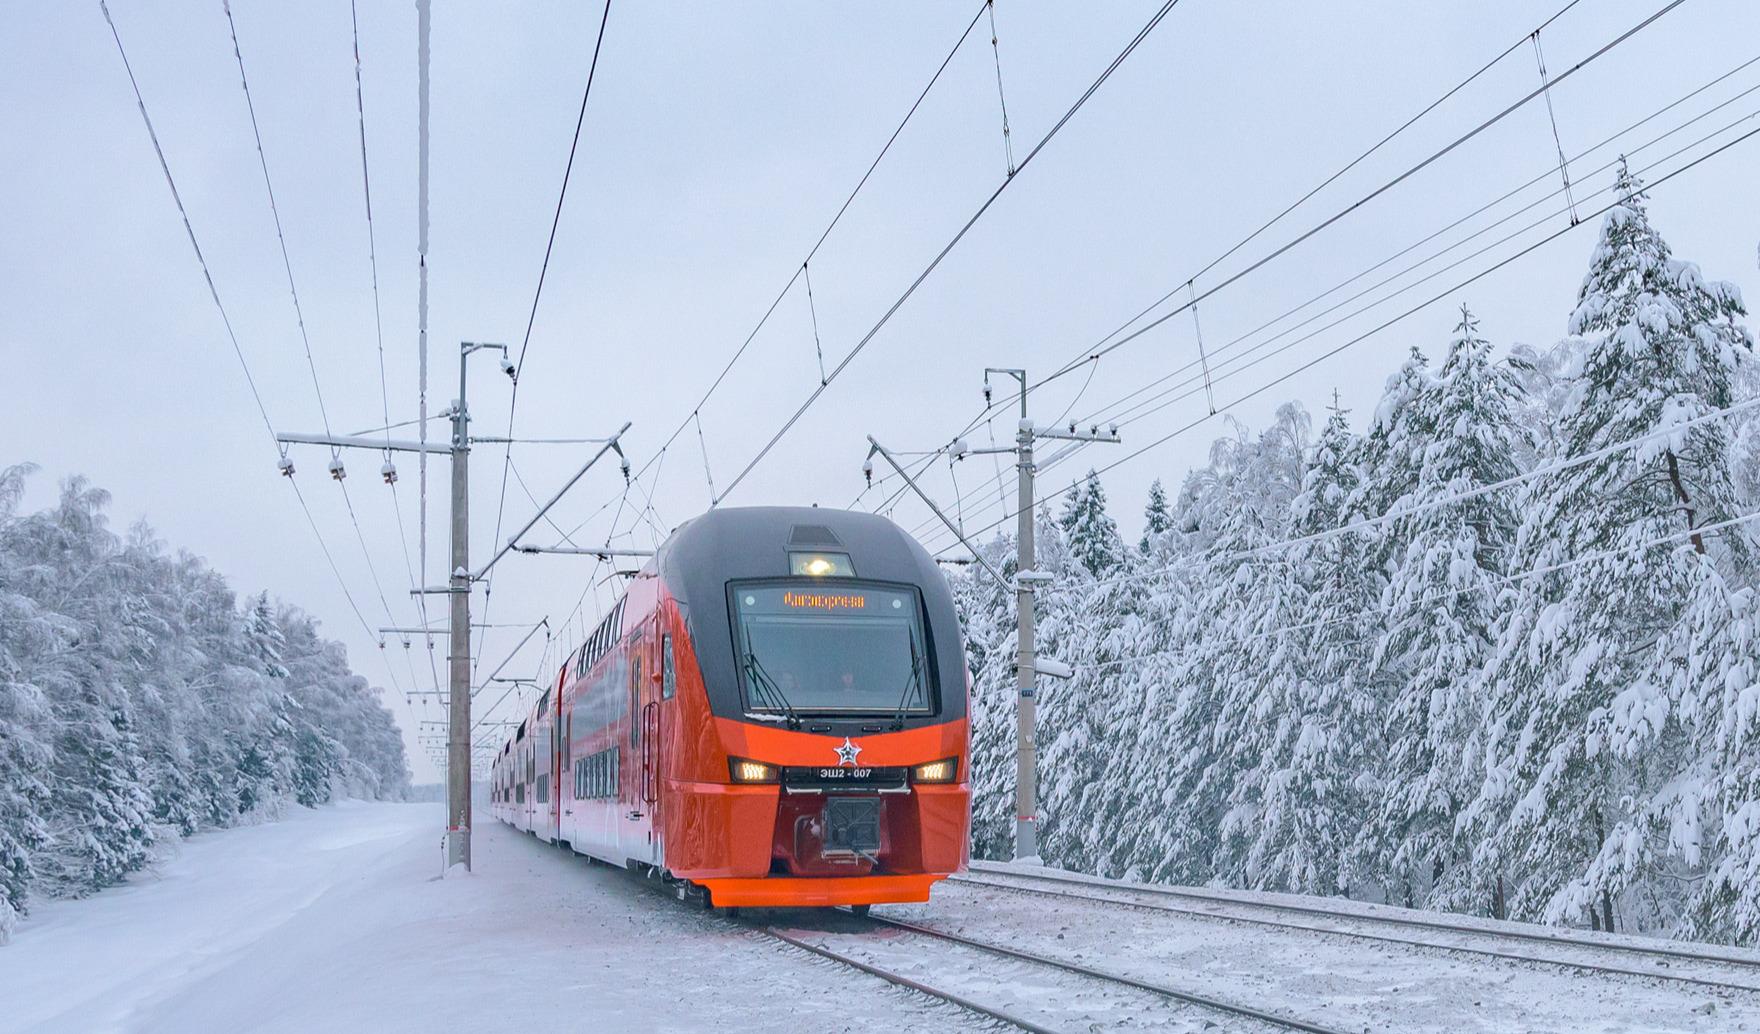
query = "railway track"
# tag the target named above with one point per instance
(1722, 970)
(1056, 991)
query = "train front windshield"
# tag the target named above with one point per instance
(813, 647)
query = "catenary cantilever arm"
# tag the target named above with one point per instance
(881, 449)
(610, 443)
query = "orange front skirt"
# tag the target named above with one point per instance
(810, 891)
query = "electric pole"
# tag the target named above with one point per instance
(458, 587)
(1027, 579)
(1026, 754)
(458, 683)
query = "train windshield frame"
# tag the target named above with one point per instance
(807, 646)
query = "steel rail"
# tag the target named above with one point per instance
(1189, 997)
(1221, 903)
(904, 981)
(1229, 898)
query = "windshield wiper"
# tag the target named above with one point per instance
(914, 682)
(762, 679)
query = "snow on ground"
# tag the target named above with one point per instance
(1328, 979)
(333, 921)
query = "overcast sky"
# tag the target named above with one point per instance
(718, 143)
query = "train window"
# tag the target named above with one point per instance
(635, 688)
(814, 647)
(668, 676)
(595, 776)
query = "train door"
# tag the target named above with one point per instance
(563, 790)
(638, 829)
(652, 715)
(665, 714)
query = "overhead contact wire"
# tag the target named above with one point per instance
(1142, 34)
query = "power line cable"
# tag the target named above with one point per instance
(299, 316)
(232, 336)
(1372, 195)
(1125, 418)
(275, 211)
(1249, 238)
(1479, 211)
(824, 235)
(1390, 322)
(182, 212)
(379, 336)
(214, 293)
(1102, 347)
(1144, 408)
(996, 51)
(813, 397)
(532, 317)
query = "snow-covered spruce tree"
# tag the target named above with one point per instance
(1581, 734)
(1317, 732)
(1156, 518)
(328, 697)
(26, 636)
(1701, 830)
(99, 814)
(1437, 439)
(1100, 628)
(1197, 702)
(1128, 672)
(1393, 450)
(1089, 532)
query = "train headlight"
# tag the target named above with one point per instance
(743, 770)
(942, 771)
(821, 565)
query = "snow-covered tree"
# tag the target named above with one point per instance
(138, 702)
(1579, 733)
(1356, 666)
(1456, 434)
(1089, 532)
(1314, 734)
(1156, 518)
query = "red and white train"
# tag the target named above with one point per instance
(775, 712)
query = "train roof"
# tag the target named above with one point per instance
(729, 544)
(732, 543)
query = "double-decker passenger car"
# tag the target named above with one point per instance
(774, 713)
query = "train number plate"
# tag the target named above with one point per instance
(845, 779)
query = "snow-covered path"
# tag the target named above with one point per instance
(331, 921)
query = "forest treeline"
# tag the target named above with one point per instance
(141, 702)
(1337, 663)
